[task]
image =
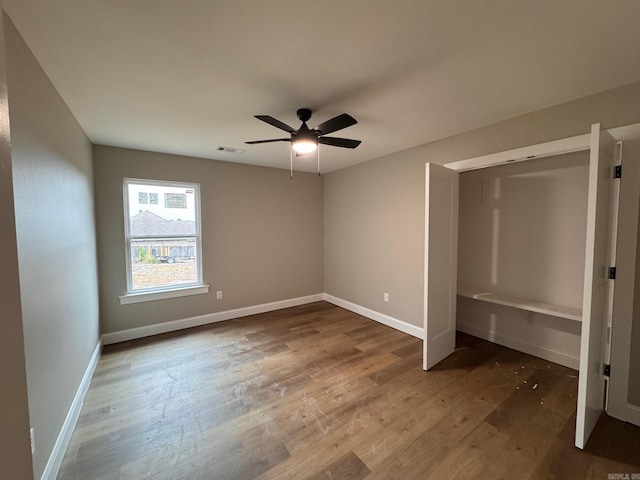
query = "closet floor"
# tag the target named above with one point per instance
(319, 392)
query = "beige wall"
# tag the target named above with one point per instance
(53, 189)
(374, 212)
(15, 453)
(261, 234)
(373, 236)
(522, 229)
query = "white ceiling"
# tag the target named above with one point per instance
(186, 76)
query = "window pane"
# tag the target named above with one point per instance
(177, 216)
(157, 263)
(175, 200)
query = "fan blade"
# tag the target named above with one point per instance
(276, 123)
(335, 124)
(339, 142)
(269, 141)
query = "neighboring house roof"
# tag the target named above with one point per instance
(148, 223)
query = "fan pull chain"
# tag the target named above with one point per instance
(291, 156)
(318, 150)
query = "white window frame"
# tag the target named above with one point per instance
(168, 291)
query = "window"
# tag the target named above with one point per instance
(162, 241)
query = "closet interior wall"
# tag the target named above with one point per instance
(522, 235)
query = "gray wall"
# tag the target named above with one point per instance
(15, 454)
(261, 233)
(53, 189)
(374, 212)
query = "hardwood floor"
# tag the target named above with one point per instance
(317, 392)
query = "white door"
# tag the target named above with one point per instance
(597, 286)
(626, 281)
(440, 263)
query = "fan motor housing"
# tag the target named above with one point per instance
(304, 114)
(307, 134)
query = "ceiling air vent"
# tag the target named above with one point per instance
(230, 150)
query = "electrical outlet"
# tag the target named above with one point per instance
(219, 295)
(386, 297)
(32, 435)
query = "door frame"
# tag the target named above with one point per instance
(618, 405)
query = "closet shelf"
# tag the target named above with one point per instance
(524, 304)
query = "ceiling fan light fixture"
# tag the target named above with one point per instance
(304, 146)
(305, 140)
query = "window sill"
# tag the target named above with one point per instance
(151, 296)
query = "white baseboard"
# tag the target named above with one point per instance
(377, 316)
(172, 326)
(62, 442)
(633, 414)
(535, 350)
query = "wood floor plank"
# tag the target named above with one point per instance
(349, 467)
(319, 392)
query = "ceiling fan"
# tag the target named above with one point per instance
(305, 140)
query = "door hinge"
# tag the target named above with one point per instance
(612, 273)
(618, 172)
(607, 370)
